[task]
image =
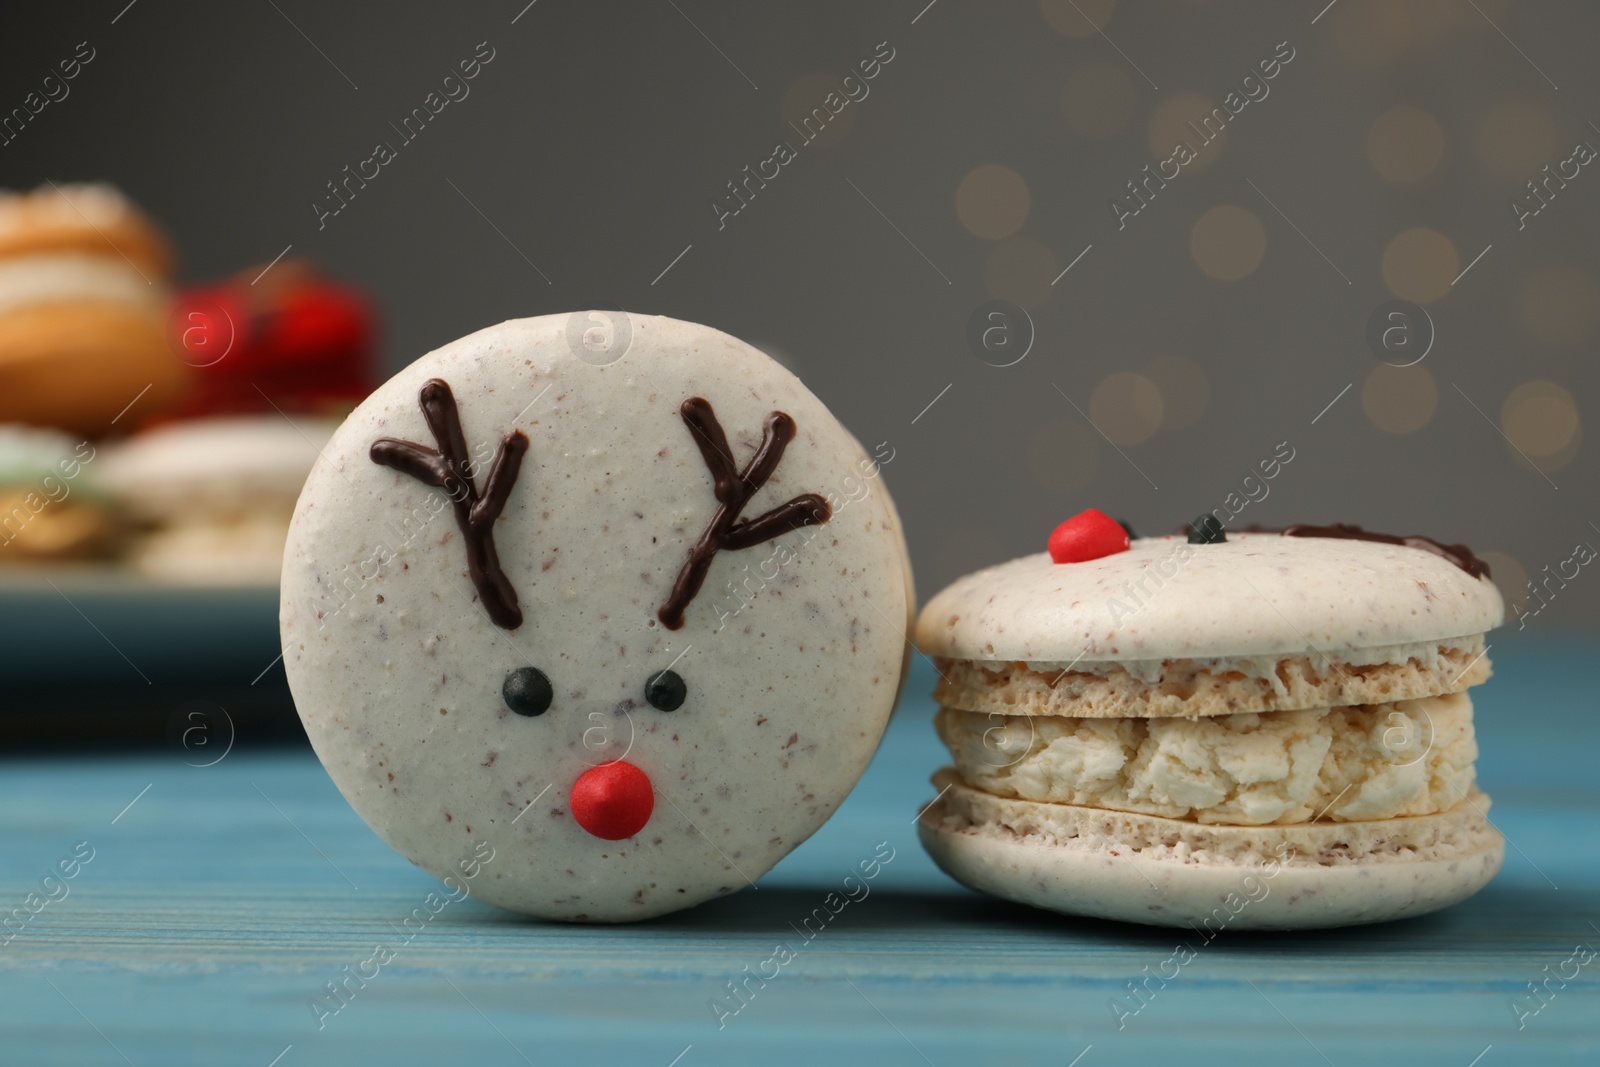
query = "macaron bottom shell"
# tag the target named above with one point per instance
(1108, 881)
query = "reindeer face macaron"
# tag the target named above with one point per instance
(631, 628)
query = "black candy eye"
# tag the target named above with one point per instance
(666, 691)
(1207, 530)
(527, 691)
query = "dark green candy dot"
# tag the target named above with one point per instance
(666, 691)
(1206, 530)
(527, 691)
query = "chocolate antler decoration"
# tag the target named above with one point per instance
(733, 489)
(450, 468)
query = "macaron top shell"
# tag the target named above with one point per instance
(90, 218)
(1255, 594)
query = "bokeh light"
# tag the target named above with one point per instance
(1420, 264)
(1540, 419)
(1400, 400)
(993, 201)
(1227, 242)
(1405, 144)
(1169, 126)
(1126, 407)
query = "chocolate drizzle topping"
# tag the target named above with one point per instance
(733, 489)
(450, 468)
(1460, 555)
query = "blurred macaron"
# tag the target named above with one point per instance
(213, 497)
(51, 504)
(84, 290)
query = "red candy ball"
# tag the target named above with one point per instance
(613, 801)
(1087, 535)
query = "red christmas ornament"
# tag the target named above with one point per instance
(1087, 535)
(613, 801)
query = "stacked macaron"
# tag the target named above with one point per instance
(83, 296)
(1267, 730)
(212, 497)
(218, 401)
(52, 506)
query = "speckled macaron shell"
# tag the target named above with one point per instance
(397, 670)
(1256, 594)
(1123, 882)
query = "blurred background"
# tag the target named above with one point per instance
(1058, 255)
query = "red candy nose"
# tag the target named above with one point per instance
(1087, 535)
(613, 801)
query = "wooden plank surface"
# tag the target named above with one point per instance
(220, 902)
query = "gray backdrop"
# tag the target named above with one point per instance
(1178, 351)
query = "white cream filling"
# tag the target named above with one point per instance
(50, 277)
(1412, 757)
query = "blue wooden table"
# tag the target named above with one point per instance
(220, 900)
